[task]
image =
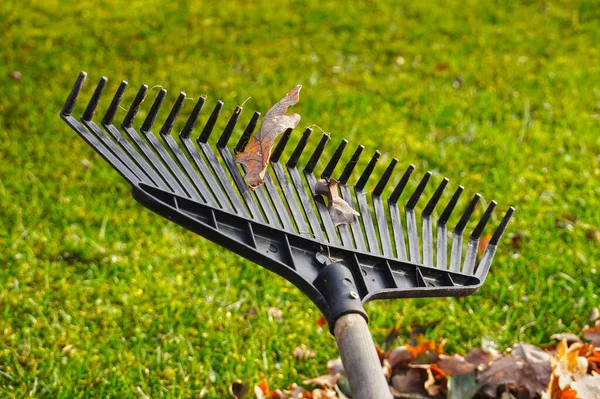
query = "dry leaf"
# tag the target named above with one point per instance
(275, 313)
(324, 381)
(411, 381)
(587, 386)
(303, 354)
(527, 366)
(339, 210)
(593, 334)
(456, 365)
(256, 156)
(569, 337)
(482, 359)
(594, 315)
(399, 356)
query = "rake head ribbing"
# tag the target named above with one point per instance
(283, 225)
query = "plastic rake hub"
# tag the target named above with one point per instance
(282, 225)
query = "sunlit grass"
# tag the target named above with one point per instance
(101, 298)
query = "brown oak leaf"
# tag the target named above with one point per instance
(339, 210)
(256, 156)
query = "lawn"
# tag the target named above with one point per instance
(101, 298)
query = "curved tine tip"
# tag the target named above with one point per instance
(350, 165)
(483, 221)
(280, 145)
(502, 227)
(450, 207)
(385, 177)
(135, 106)
(72, 98)
(165, 130)
(151, 117)
(186, 132)
(364, 178)
(330, 167)
(435, 198)
(210, 123)
(401, 184)
(460, 226)
(93, 104)
(114, 104)
(414, 198)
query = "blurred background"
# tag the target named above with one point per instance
(101, 298)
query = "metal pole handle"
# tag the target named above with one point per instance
(360, 359)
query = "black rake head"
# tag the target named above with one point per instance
(282, 225)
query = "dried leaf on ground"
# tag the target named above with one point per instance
(339, 210)
(569, 337)
(256, 156)
(412, 381)
(275, 313)
(324, 381)
(456, 365)
(587, 386)
(399, 356)
(303, 354)
(528, 367)
(481, 358)
(593, 334)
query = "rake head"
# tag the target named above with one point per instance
(282, 225)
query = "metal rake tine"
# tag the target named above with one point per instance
(135, 106)
(316, 155)
(363, 206)
(395, 217)
(226, 135)
(93, 104)
(382, 223)
(351, 165)
(186, 132)
(427, 224)
(291, 163)
(72, 98)
(457, 236)
(442, 231)
(114, 104)
(243, 141)
(281, 145)
(151, 117)
(166, 128)
(328, 171)
(490, 249)
(210, 123)
(473, 245)
(411, 220)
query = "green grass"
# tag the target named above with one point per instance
(99, 296)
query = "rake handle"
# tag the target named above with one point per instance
(360, 359)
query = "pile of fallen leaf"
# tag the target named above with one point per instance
(569, 369)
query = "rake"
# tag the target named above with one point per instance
(286, 228)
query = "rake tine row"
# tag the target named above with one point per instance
(282, 202)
